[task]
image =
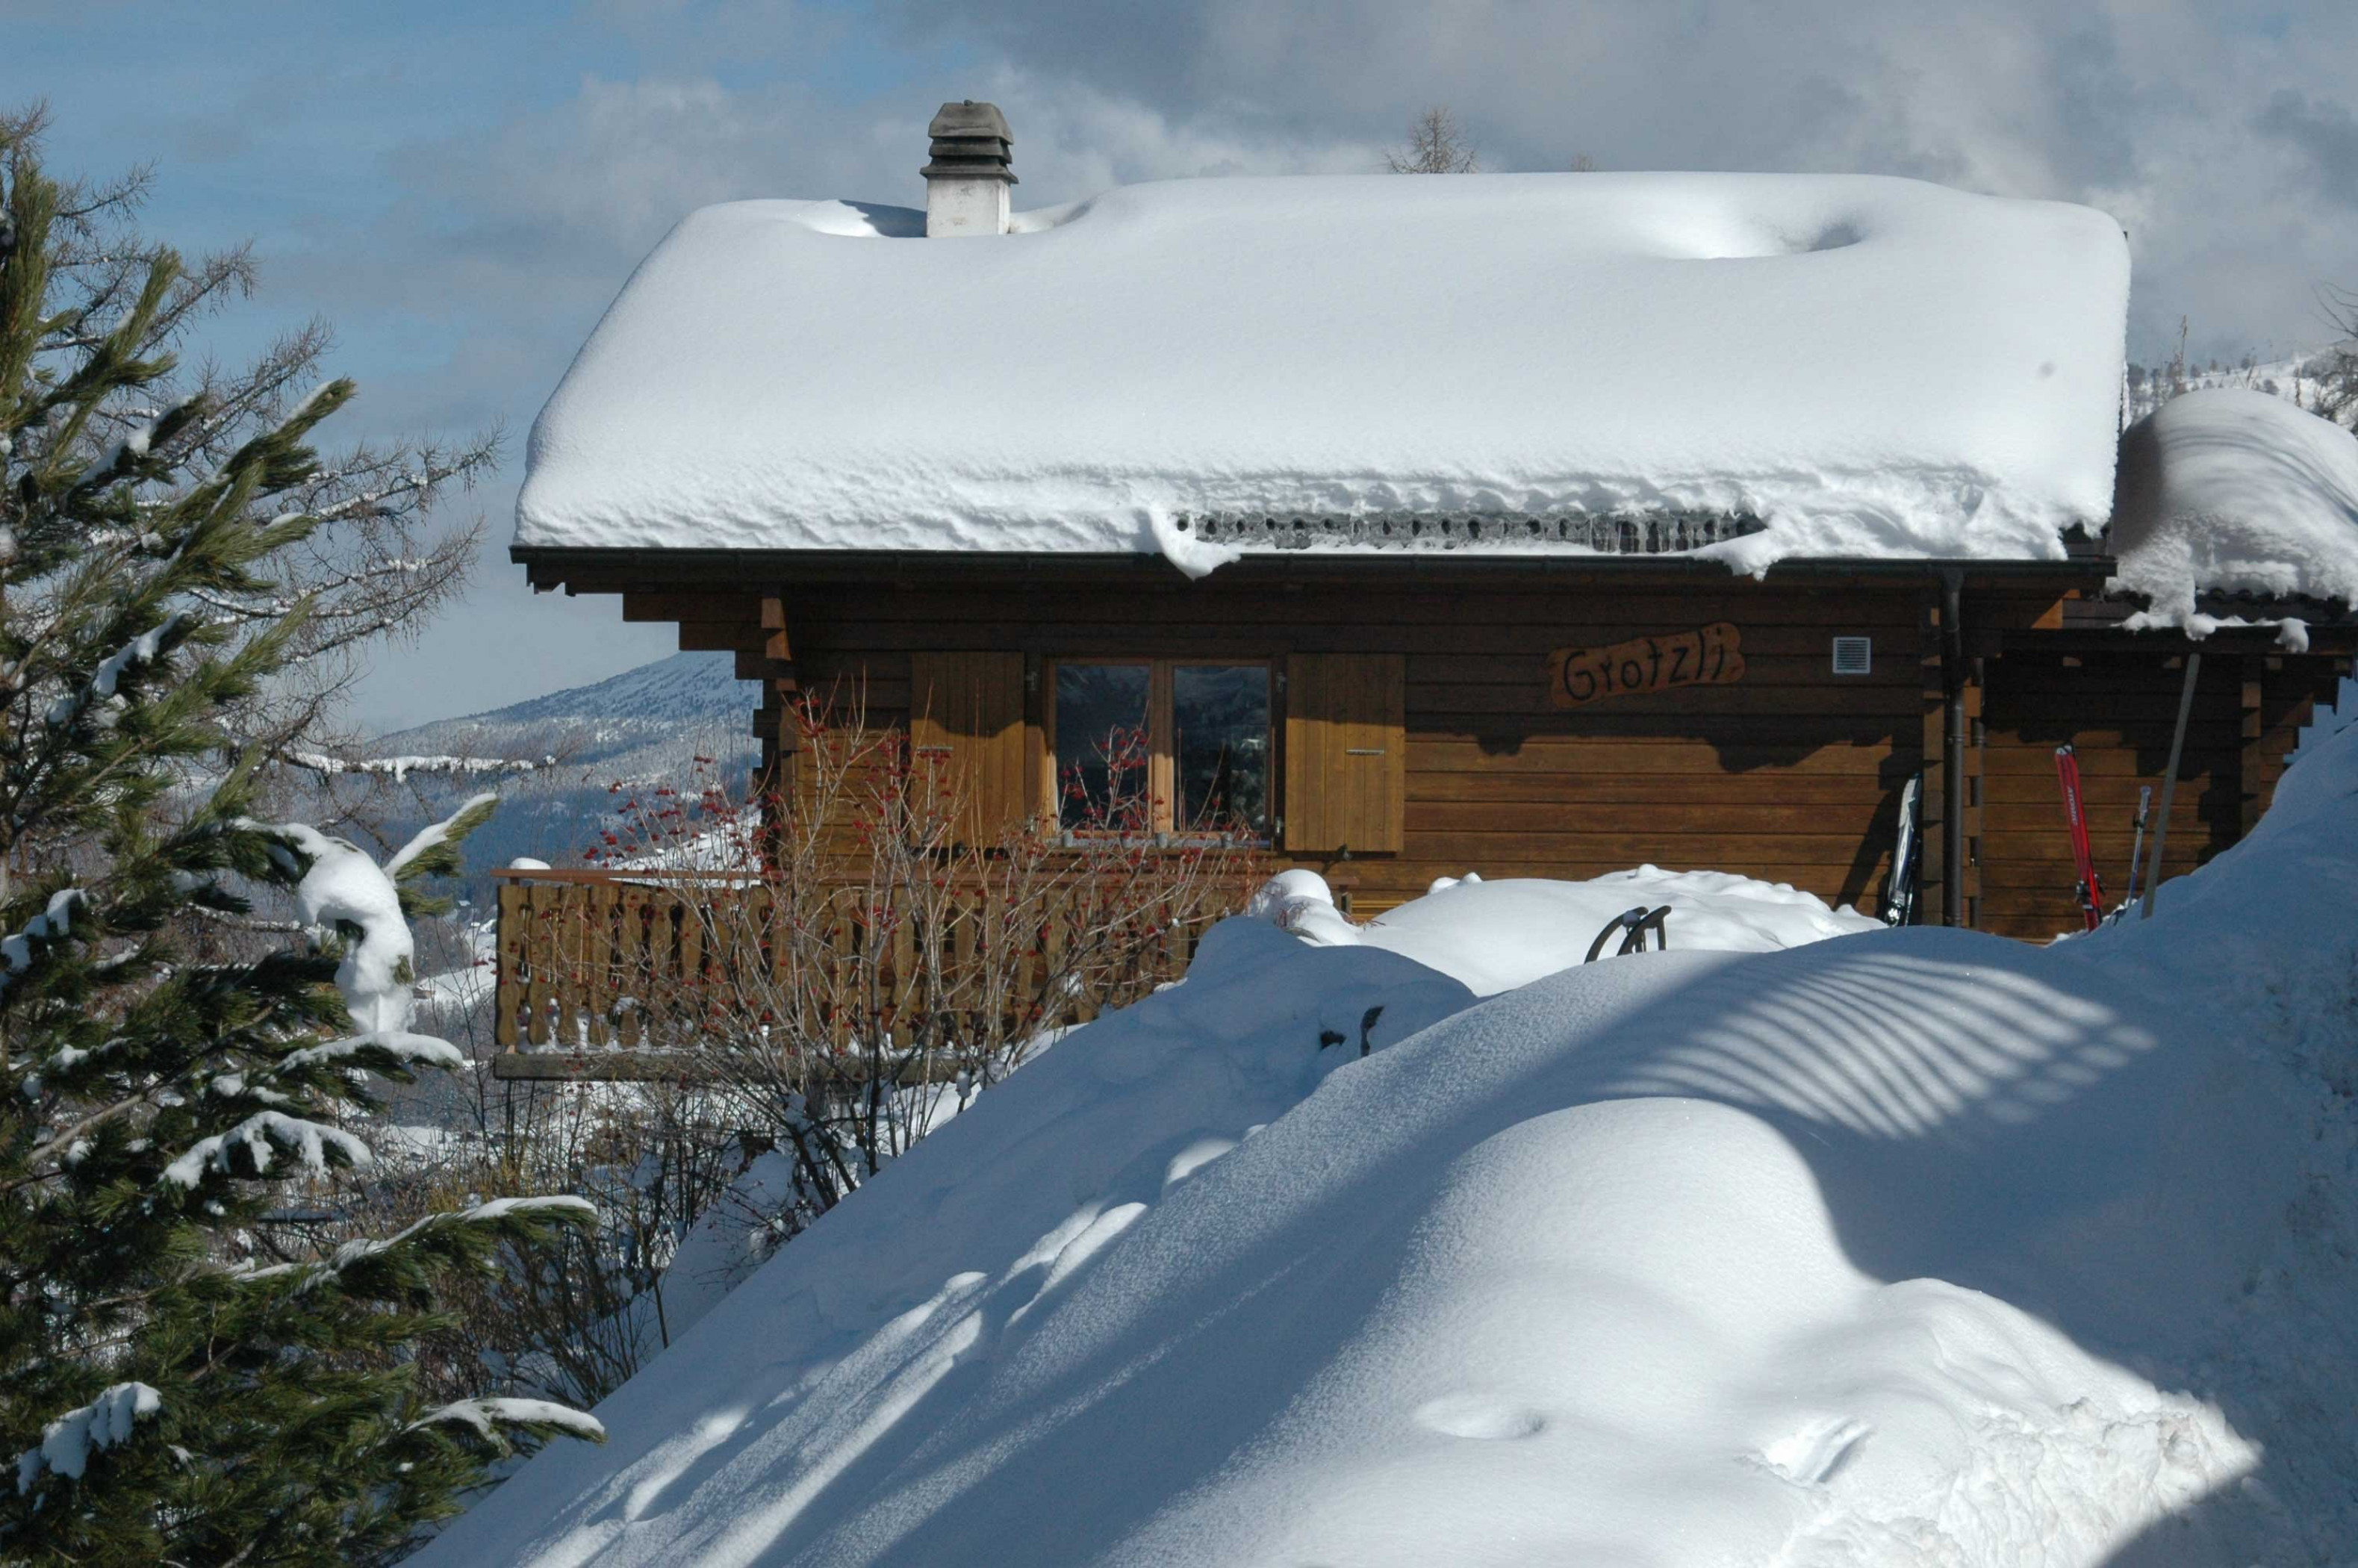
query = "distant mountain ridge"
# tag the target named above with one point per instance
(645, 726)
(682, 687)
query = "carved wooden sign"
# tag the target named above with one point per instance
(1711, 655)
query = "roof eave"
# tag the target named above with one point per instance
(606, 569)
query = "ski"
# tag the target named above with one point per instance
(2137, 849)
(1899, 902)
(2091, 889)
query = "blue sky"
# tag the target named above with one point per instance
(461, 188)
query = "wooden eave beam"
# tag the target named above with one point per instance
(651, 572)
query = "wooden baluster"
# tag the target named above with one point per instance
(1054, 1009)
(571, 936)
(749, 967)
(967, 980)
(1025, 935)
(841, 933)
(1088, 916)
(695, 998)
(597, 959)
(904, 973)
(631, 966)
(516, 920)
(661, 985)
(539, 910)
(1174, 962)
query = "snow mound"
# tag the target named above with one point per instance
(1868, 366)
(1496, 935)
(2233, 491)
(1889, 1250)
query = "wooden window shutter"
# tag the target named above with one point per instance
(1346, 752)
(967, 738)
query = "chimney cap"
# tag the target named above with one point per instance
(970, 141)
(968, 118)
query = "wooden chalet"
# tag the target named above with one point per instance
(1390, 695)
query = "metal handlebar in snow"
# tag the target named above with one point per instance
(1634, 924)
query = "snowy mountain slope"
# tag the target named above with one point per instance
(684, 689)
(647, 724)
(1879, 1250)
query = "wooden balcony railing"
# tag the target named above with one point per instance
(605, 975)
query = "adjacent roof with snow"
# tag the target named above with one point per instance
(1845, 366)
(2236, 491)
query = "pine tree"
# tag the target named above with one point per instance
(164, 1401)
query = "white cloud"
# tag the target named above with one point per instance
(467, 205)
(2219, 135)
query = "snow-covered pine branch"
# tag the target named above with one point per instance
(142, 650)
(68, 1442)
(490, 1419)
(377, 1051)
(434, 850)
(317, 1147)
(344, 888)
(459, 1234)
(18, 952)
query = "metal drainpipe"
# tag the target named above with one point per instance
(1952, 751)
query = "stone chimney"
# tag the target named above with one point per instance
(966, 183)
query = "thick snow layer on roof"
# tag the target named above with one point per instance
(1870, 366)
(2232, 490)
(1916, 1246)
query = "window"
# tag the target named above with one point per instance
(1162, 746)
(1102, 746)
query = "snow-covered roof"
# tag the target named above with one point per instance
(2233, 491)
(1853, 365)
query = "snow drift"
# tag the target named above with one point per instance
(1911, 1247)
(2232, 490)
(1870, 366)
(1496, 935)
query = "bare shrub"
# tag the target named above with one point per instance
(848, 969)
(833, 976)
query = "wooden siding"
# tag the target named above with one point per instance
(2117, 706)
(1792, 775)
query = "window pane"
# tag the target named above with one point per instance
(1219, 714)
(1101, 747)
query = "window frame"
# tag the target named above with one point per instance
(1162, 745)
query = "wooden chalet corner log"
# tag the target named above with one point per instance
(1346, 753)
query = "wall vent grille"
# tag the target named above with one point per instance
(1853, 655)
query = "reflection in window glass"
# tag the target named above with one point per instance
(1219, 719)
(1101, 746)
